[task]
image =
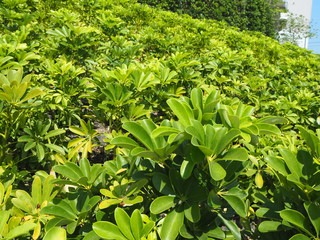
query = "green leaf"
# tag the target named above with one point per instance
(226, 140)
(265, 128)
(236, 154)
(40, 151)
(131, 200)
(147, 228)
(232, 227)
(186, 169)
(36, 190)
(109, 202)
(53, 133)
(136, 224)
(297, 219)
(23, 201)
(77, 131)
(55, 148)
(311, 139)
(184, 233)
(313, 211)
(197, 98)
(75, 142)
(216, 232)
(85, 167)
(277, 164)
(91, 236)
(171, 225)
(135, 187)
(192, 213)
(62, 210)
(269, 226)
(69, 170)
(161, 204)
(273, 120)
(124, 142)
(20, 230)
(4, 217)
(182, 111)
(299, 237)
(217, 172)
(237, 204)
(164, 131)
(123, 222)
(162, 183)
(108, 230)
(25, 138)
(29, 146)
(140, 133)
(56, 233)
(31, 94)
(292, 163)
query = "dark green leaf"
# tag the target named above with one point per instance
(162, 183)
(297, 219)
(232, 227)
(313, 211)
(237, 204)
(192, 213)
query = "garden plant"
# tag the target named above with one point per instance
(122, 121)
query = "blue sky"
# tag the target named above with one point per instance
(314, 43)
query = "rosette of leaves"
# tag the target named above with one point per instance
(72, 212)
(241, 117)
(124, 193)
(29, 206)
(38, 140)
(155, 147)
(82, 175)
(13, 227)
(85, 142)
(214, 141)
(134, 227)
(14, 89)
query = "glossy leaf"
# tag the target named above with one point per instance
(123, 223)
(269, 226)
(56, 233)
(171, 225)
(299, 237)
(237, 204)
(236, 154)
(232, 227)
(20, 230)
(107, 230)
(192, 213)
(217, 172)
(161, 204)
(313, 211)
(296, 218)
(136, 224)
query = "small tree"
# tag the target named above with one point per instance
(297, 28)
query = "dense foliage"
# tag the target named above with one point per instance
(119, 121)
(253, 15)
